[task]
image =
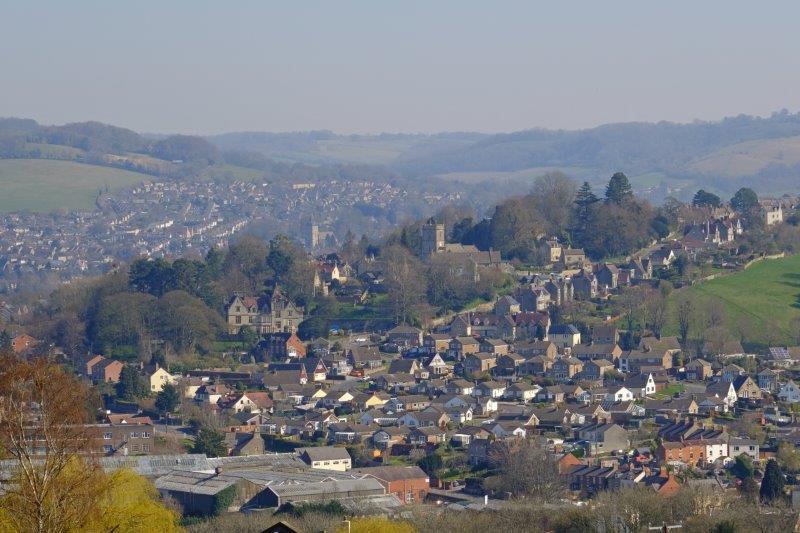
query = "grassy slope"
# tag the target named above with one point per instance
(747, 158)
(767, 294)
(47, 185)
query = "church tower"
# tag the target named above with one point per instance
(432, 238)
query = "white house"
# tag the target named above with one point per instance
(159, 378)
(716, 449)
(564, 335)
(790, 392)
(619, 394)
(491, 389)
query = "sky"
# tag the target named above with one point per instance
(198, 67)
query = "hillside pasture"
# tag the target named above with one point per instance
(42, 185)
(762, 303)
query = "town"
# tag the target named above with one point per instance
(170, 218)
(566, 382)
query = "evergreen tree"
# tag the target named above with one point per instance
(772, 484)
(704, 198)
(619, 189)
(211, 442)
(5, 340)
(744, 201)
(130, 385)
(584, 200)
(168, 399)
(585, 196)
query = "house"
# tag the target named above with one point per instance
(738, 446)
(494, 346)
(564, 335)
(553, 250)
(565, 367)
(723, 390)
(464, 436)
(106, 371)
(619, 394)
(573, 257)
(22, 343)
(610, 352)
(436, 343)
(768, 380)
(605, 334)
(124, 435)
(731, 372)
(507, 305)
(461, 326)
(460, 347)
(387, 437)
(404, 366)
(547, 349)
(641, 385)
(410, 484)
(585, 285)
(522, 392)
(633, 362)
(490, 389)
(337, 398)
(460, 387)
(698, 370)
(326, 458)
(272, 314)
(603, 438)
(460, 414)
(437, 367)
(535, 366)
(608, 277)
(533, 298)
(508, 364)
(421, 436)
(365, 356)
(746, 388)
(280, 346)
(409, 402)
(596, 369)
(790, 392)
(247, 402)
(159, 378)
(477, 363)
(403, 335)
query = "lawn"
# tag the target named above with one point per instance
(43, 185)
(765, 297)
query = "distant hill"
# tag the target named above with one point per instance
(662, 158)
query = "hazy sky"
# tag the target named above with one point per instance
(204, 67)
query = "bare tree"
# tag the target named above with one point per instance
(404, 281)
(685, 315)
(43, 431)
(526, 469)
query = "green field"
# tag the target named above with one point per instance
(766, 296)
(43, 185)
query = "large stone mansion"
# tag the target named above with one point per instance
(270, 314)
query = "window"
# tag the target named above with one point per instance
(135, 448)
(146, 448)
(108, 448)
(410, 496)
(145, 434)
(238, 320)
(134, 434)
(108, 436)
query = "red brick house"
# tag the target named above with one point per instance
(409, 483)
